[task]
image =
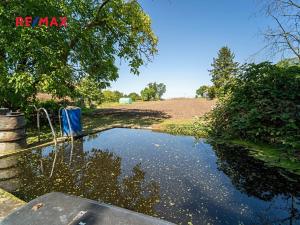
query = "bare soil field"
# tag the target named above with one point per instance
(181, 108)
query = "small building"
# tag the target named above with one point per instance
(125, 100)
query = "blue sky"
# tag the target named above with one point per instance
(190, 34)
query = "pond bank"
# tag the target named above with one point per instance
(8, 203)
(271, 155)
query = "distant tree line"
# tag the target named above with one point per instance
(91, 93)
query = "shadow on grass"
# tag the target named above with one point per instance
(99, 118)
(110, 116)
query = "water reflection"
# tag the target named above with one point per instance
(253, 178)
(195, 181)
(95, 175)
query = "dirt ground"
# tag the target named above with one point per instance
(183, 108)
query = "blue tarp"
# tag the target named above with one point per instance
(75, 121)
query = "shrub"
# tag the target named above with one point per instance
(153, 91)
(211, 92)
(198, 128)
(112, 96)
(264, 106)
(134, 96)
(50, 105)
(148, 94)
(201, 90)
(89, 91)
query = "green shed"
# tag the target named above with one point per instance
(125, 100)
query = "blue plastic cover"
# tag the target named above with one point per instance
(75, 121)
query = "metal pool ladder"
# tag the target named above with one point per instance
(52, 130)
(50, 124)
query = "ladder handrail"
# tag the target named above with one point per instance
(50, 124)
(52, 130)
(54, 133)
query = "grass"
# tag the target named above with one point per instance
(8, 203)
(96, 119)
(271, 155)
(45, 134)
(114, 104)
(108, 104)
(92, 119)
(196, 127)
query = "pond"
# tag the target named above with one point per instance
(176, 178)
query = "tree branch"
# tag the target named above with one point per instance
(90, 25)
(290, 2)
(285, 35)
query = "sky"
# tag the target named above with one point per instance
(190, 33)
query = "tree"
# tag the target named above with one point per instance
(224, 70)
(211, 91)
(112, 96)
(161, 89)
(117, 95)
(201, 90)
(285, 35)
(89, 90)
(289, 62)
(153, 91)
(148, 94)
(134, 96)
(55, 59)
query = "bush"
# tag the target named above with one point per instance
(89, 91)
(50, 105)
(134, 96)
(201, 91)
(112, 96)
(153, 91)
(212, 92)
(148, 94)
(198, 128)
(264, 106)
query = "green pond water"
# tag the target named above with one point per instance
(176, 178)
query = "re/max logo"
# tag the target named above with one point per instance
(43, 21)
